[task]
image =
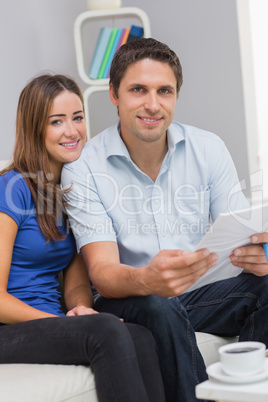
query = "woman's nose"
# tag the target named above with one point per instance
(70, 129)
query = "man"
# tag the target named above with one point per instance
(141, 199)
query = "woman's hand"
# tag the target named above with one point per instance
(81, 310)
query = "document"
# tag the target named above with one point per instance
(229, 231)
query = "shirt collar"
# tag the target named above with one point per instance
(116, 146)
(175, 134)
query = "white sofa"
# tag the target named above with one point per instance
(58, 383)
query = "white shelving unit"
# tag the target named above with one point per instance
(95, 15)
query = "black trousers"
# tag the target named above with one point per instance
(123, 356)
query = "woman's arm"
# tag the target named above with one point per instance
(12, 310)
(77, 291)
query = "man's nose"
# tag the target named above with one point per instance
(152, 103)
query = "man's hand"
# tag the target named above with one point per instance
(171, 272)
(81, 310)
(252, 258)
(168, 274)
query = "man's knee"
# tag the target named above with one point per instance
(156, 309)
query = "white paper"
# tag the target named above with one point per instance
(229, 231)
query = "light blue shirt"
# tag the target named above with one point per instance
(111, 199)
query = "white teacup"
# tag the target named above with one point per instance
(242, 358)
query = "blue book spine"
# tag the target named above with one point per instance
(135, 33)
(99, 52)
(111, 55)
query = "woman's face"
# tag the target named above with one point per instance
(66, 130)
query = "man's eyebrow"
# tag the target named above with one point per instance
(136, 84)
(133, 85)
(62, 114)
(171, 87)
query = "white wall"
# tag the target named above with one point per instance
(36, 36)
(39, 36)
(258, 12)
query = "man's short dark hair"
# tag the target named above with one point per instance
(144, 48)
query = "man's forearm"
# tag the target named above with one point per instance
(168, 274)
(116, 280)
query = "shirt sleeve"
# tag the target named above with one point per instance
(89, 220)
(15, 199)
(225, 188)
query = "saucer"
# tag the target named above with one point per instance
(215, 371)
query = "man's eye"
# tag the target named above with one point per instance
(164, 91)
(137, 89)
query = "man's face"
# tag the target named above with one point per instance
(146, 101)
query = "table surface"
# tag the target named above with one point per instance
(216, 390)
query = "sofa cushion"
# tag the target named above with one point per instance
(44, 382)
(58, 383)
(209, 344)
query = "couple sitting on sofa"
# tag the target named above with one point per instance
(128, 196)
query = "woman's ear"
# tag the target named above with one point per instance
(113, 97)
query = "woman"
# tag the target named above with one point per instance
(36, 245)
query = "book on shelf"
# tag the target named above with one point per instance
(108, 42)
(135, 33)
(123, 32)
(107, 53)
(122, 41)
(111, 54)
(99, 51)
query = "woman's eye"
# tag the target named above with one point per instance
(55, 122)
(79, 118)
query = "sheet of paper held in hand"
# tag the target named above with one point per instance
(229, 231)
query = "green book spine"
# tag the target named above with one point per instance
(107, 52)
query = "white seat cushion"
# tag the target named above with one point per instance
(45, 382)
(209, 344)
(58, 383)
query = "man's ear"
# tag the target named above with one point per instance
(113, 96)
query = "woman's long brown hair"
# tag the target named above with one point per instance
(30, 156)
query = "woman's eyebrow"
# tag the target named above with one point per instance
(54, 115)
(62, 114)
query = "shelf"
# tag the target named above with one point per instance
(87, 93)
(100, 15)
